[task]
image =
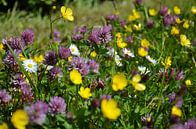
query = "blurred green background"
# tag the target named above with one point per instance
(17, 15)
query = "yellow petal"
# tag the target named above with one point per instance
(139, 87)
(70, 18)
(69, 11)
(136, 78)
(63, 9)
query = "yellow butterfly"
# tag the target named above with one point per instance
(67, 13)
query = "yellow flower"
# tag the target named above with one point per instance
(93, 54)
(178, 20)
(21, 57)
(67, 13)
(167, 62)
(176, 111)
(135, 82)
(186, 24)
(119, 82)
(142, 52)
(174, 31)
(70, 58)
(137, 27)
(193, 10)
(1, 46)
(118, 35)
(85, 92)
(3, 126)
(128, 28)
(39, 58)
(20, 119)
(184, 41)
(54, 7)
(109, 109)
(152, 12)
(188, 82)
(135, 15)
(121, 43)
(75, 77)
(177, 10)
(145, 43)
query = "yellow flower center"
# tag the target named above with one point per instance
(30, 65)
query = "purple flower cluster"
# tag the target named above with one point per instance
(20, 83)
(64, 53)
(79, 33)
(10, 61)
(4, 97)
(56, 36)
(168, 20)
(112, 17)
(19, 43)
(84, 66)
(27, 36)
(50, 58)
(54, 73)
(101, 35)
(37, 112)
(190, 124)
(57, 105)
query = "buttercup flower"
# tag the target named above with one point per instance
(39, 59)
(20, 119)
(135, 82)
(119, 82)
(142, 52)
(75, 77)
(109, 109)
(30, 66)
(167, 62)
(3, 126)
(67, 13)
(135, 15)
(193, 9)
(188, 82)
(1, 46)
(93, 54)
(152, 12)
(74, 50)
(186, 24)
(176, 111)
(145, 43)
(174, 31)
(177, 10)
(184, 41)
(84, 92)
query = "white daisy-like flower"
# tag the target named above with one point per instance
(30, 66)
(74, 50)
(128, 52)
(111, 52)
(151, 60)
(118, 60)
(143, 69)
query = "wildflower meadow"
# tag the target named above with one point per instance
(132, 69)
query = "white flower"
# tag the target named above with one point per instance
(143, 69)
(111, 52)
(30, 66)
(151, 60)
(128, 52)
(118, 60)
(74, 50)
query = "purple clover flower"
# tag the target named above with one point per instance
(164, 10)
(28, 36)
(168, 20)
(27, 94)
(101, 35)
(108, 97)
(150, 24)
(10, 61)
(15, 43)
(54, 73)
(56, 36)
(94, 66)
(112, 17)
(50, 58)
(4, 97)
(177, 126)
(37, 112)
(79, 33)
(190, 124)
(64, 53)
(172, 97)
(57, 105)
